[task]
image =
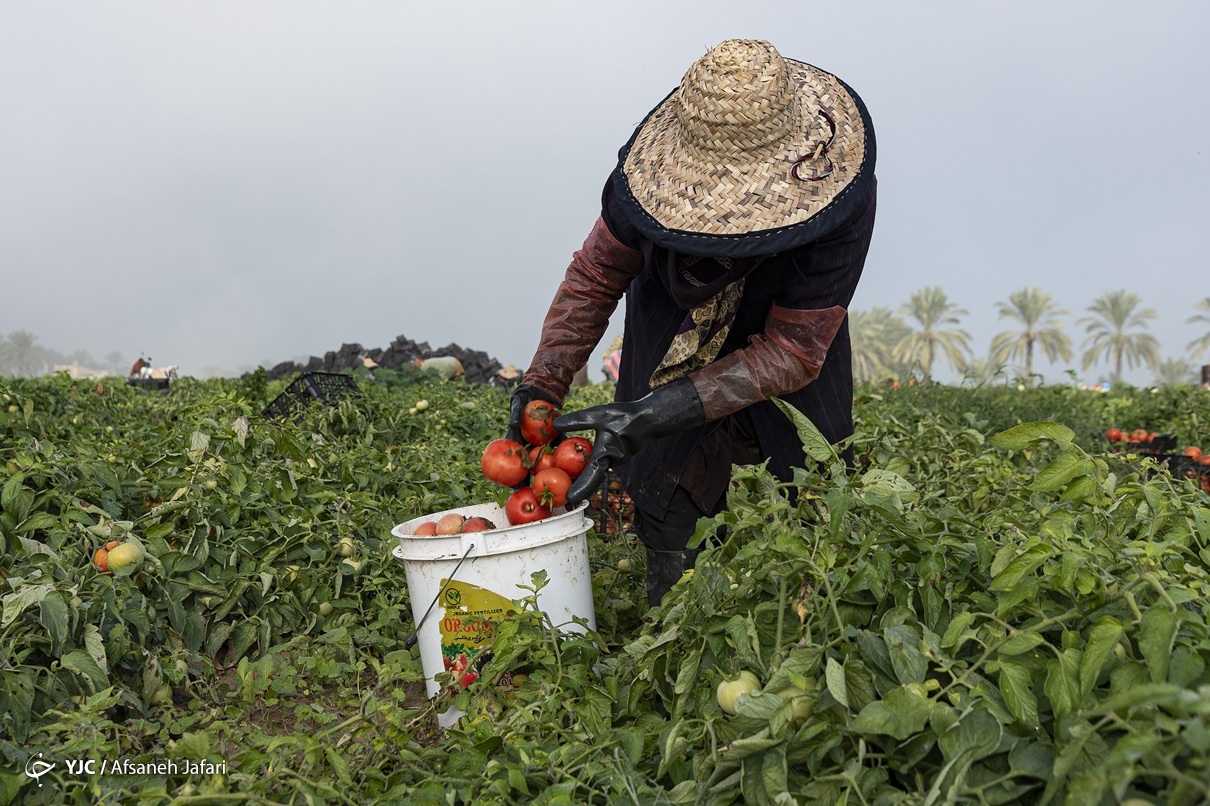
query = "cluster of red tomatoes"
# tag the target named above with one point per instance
(549, 469)
(1139, 436)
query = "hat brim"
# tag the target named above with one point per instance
(752, 204)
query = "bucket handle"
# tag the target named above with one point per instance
(411, 642)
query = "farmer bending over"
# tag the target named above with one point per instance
(736, 224)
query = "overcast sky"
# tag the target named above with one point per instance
(223, 184)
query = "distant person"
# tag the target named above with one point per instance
(613, 360)
(506, 378)
(736, 224)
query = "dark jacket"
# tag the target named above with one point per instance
(819, 275)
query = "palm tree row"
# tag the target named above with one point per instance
(887, 344)
(21, 355)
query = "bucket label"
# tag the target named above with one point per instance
(462, 634)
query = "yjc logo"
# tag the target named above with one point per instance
(35, 768)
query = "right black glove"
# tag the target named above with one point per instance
(523, 395)
(622, 429)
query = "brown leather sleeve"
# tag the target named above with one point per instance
(785, 358)
(599, 274)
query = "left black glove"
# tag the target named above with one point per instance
(523, 395)
(622, 429)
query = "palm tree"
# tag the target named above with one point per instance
(874, 335)
(1175, 372)
(1201, 344)
(23, 356)
(931, 308)
(1109, 333)
(982, 371)
(1036, 313)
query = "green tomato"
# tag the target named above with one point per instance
(347, 547)
(421, 405)
(210, 484)
(325, 609)
(730, 690)
(162, 696)
(625, 564)
(802, 701)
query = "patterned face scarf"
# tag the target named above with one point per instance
(712, 289)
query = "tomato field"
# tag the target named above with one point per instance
(996, 605)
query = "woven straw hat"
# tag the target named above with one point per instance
(751, 154)
(509, 372)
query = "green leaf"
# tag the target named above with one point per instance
(814, 443)
(1155, 640)
(1032, 758)
(1016, 686)
(1103, 637)
(834, 675)
(1022, 436)
(81, 663)
(1061, 470)
(1080, 489)
(902, 713)
(800, 664)
(750, 745)
(1020, 643)
(1062, 684)
(888, 486)
(11, 493)
(977, 733)
(54, 617)
(15, 603)
(94, 645)
(955, 633)
(1022, 565)
(903, 645)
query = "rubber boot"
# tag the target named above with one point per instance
(665, 569)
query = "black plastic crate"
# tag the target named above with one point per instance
(610, 508)
(155, 384)
(325, 387)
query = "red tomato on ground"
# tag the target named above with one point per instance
(1114, 435)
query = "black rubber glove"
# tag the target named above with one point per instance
(624, 428)
(523, 395)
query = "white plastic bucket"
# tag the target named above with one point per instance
(497, 562)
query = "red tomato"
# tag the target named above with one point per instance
(572, 455)
(1114, 435)
(540, 458)
(524, 507)
(551, 487)
(504, 462)
(1193, 452)
(537, 423)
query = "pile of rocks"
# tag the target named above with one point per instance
(478, 366)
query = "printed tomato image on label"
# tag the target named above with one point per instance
(467, 626)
